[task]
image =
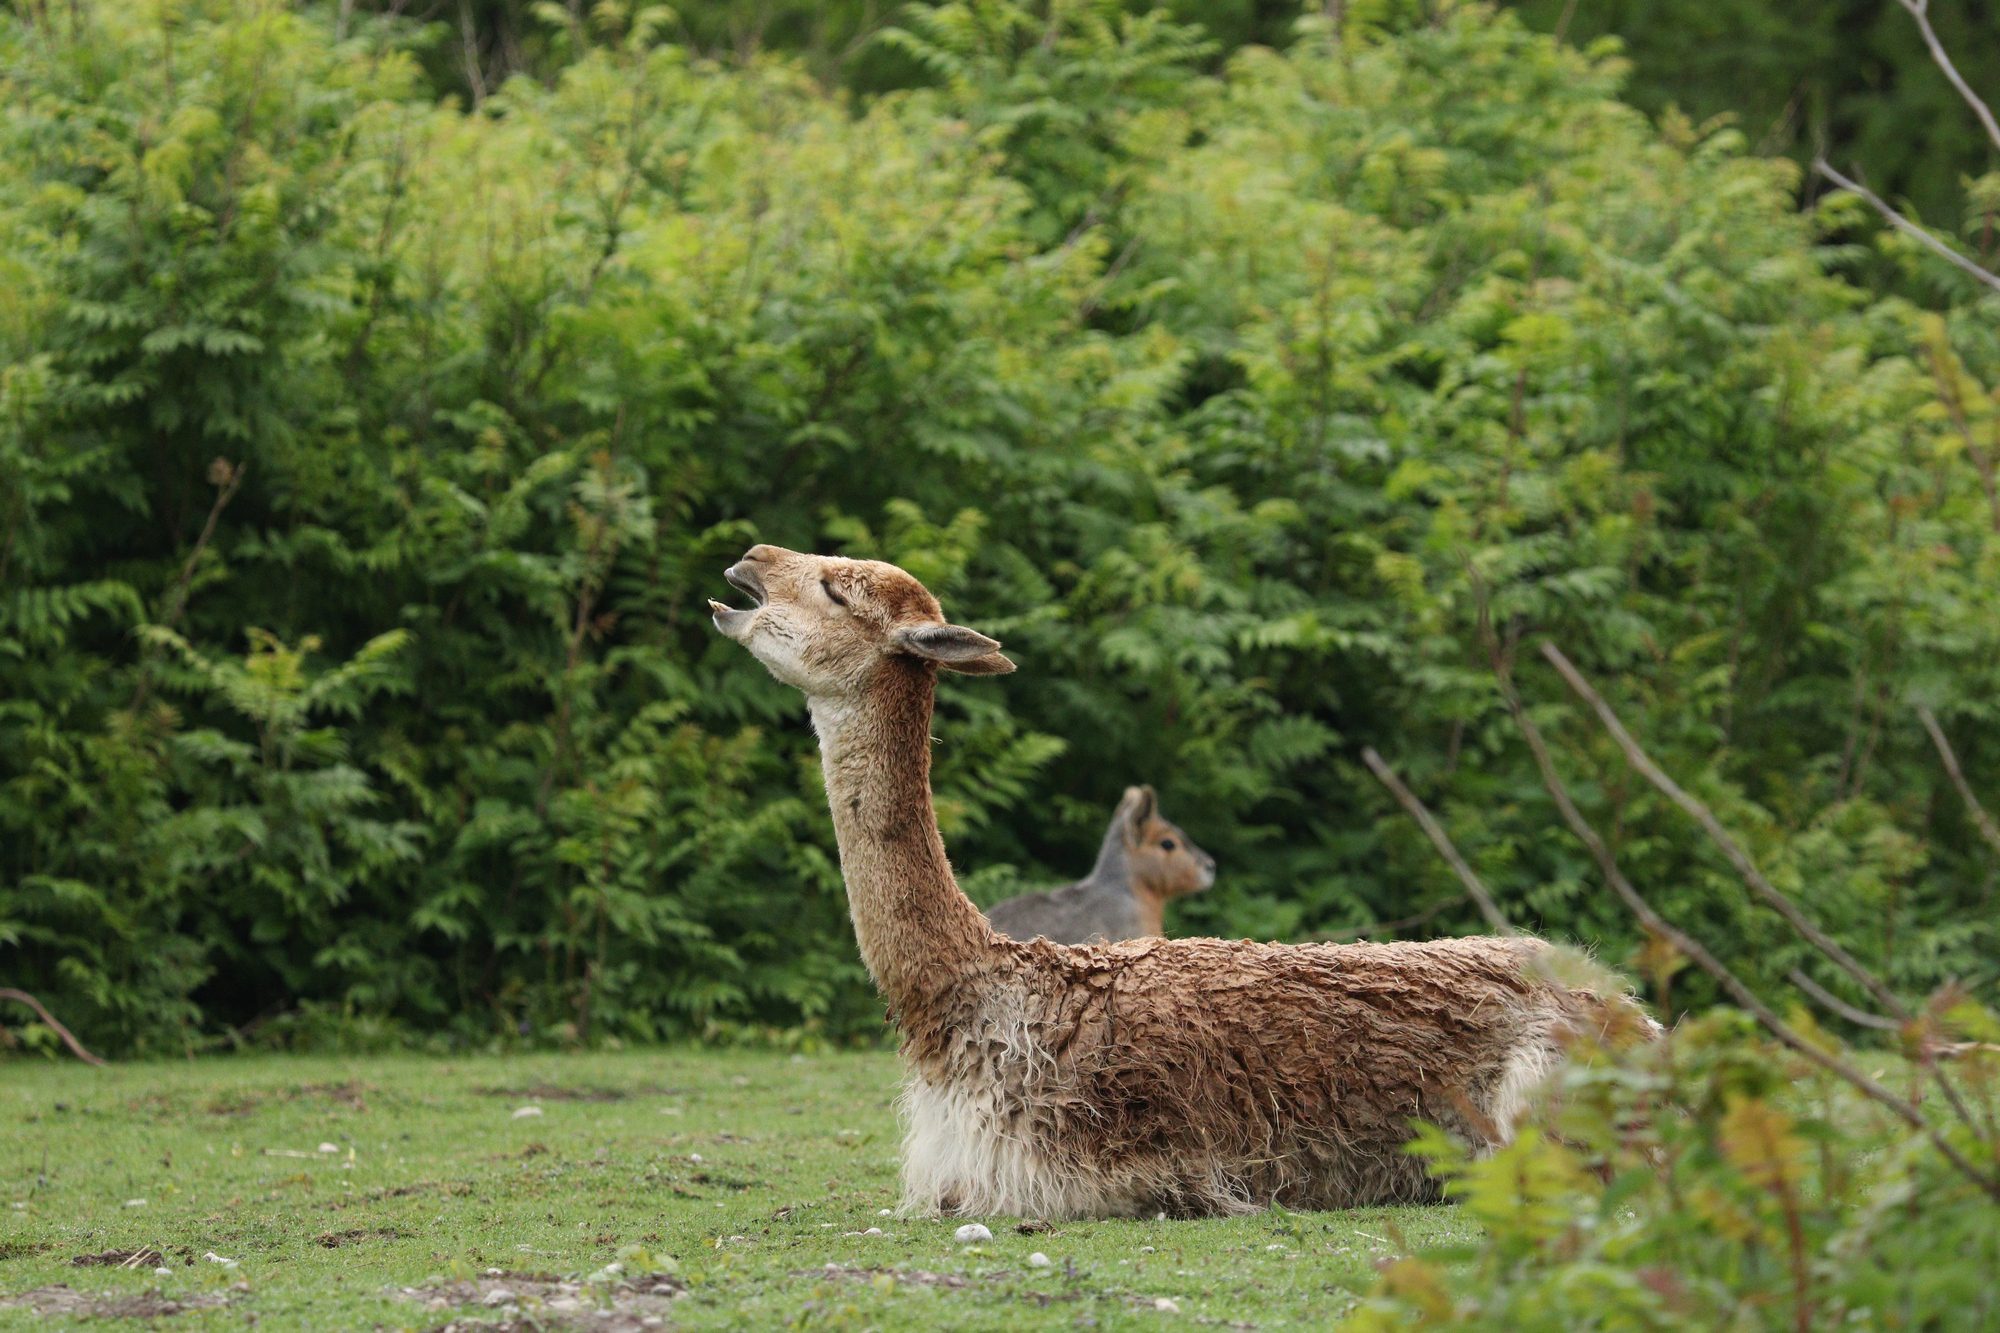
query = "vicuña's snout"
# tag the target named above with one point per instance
(744, 577)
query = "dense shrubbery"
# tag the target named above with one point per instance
(364, 464)
(1716, 1182)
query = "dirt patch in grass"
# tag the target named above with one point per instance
(519, 1302)
(334, 1240)
(450, 1189)
(22, 1249)
(119, 1259)
(559, 1092)
(63, 1301)
(915, 1277)
(352, 1094)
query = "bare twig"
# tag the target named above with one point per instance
(1920, 11)
(469, 45)
(227, 478)
(1904, 225)
(49, 1021)
(1487, 907)
(1698, 954)
(1984, 821)
(1762, 887)
(1828, 1000)
(1740, 859)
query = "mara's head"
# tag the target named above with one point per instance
(830, 626)
(1163, 860)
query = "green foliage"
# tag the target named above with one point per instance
(1714, 1181)
(365, 463)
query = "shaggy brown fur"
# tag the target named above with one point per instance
(1189, 1076)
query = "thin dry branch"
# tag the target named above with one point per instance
(1762, 887)
(227, 478)
(1740, 859)
(1920, 11)
(1698, 954)
(1908, 228)
(49, 1021)
(1407, 799)
(1826, 999)
(1984, 821)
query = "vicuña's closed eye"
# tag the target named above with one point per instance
(832, 593)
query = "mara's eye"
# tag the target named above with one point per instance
(832, 593)
(1167, 844)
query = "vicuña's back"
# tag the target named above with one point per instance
(1191, 1076)
(1143, 862)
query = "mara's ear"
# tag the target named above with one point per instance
(950, 645)
(1135, 809)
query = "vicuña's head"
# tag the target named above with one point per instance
(1163, 860)
(830, 626)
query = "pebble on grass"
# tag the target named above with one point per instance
(972, 1233)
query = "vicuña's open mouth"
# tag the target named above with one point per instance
(729, 619)
(744, 579)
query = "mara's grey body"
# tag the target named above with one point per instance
(1079, 913)
(1143, 862)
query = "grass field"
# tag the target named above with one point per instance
(744, 1190)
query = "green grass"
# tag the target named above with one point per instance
(747, 1173)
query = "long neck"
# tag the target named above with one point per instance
(918, 932)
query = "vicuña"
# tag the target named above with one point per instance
(1183, 1076)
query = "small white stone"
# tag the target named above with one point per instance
(493, 1272)
(215, 1258)
(879, 1212)
(163, 1272)
(527, 1111)
(329, 1147)
(971, 1234)
(135, 1203)
(874, 1231)
(498, 1296)
(1167, 1305)
(1038, 1260)
(694, 1157)
(1146, 1249)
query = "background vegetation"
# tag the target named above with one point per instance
(368, 448)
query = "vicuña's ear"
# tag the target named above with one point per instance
(993, 664)
(951, 645)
